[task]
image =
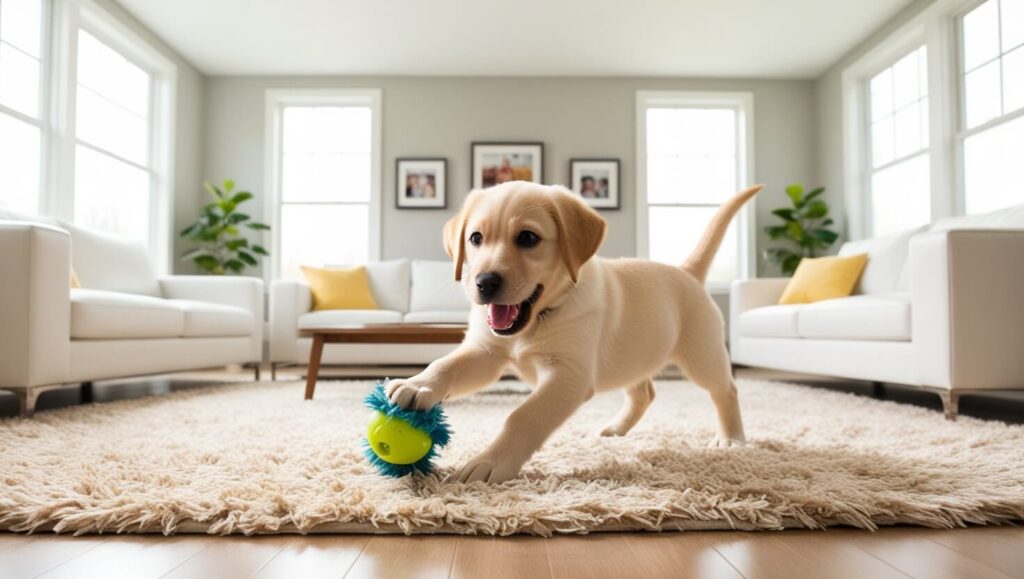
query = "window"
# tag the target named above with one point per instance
(113, 178)
(325, 159)
(694, 154)
(992, 135)
(21, 118)
(899, 170)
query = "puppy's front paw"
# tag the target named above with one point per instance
(411, 395)
(489, 469)
(723, 442)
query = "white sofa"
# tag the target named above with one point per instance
(939, 307)
(124, 321)
(421, 292)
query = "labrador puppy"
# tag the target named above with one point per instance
(571, 323)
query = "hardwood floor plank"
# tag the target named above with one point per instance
(832, 554)
(314, 556)
(908, 549)
(999, 547)
(425, 556)
(42, 552)
(231, 557)
(501, 558)
(687, 554)
(763, 554)
(130, 557)
(12, 540)
(593, 556)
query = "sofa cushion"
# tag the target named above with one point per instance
(389, 283)
(98, 314)
(887, 258)
(437, 317)
(434, 288)
(103, 261)
(1008, 218)
(770, 322)
(331, 318)
(207, 319)
(883, 316)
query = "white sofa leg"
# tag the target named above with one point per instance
(950, 403)
(27, 399)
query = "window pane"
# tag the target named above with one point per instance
(19, 80)
(901, 196)
(983, 100)
(981, 34)
(907, 125)
(904, 79)
(690, 179)
(322, 234)
(664, 136)
(1013, 80)
(883, 147)
(327, 130)
(325, 177)
(19, 165)
(993, 171)
(112, 76)
(111, 195)
(21, 24)
(881, 95)
(925, 121)
(673, 232)
(112, 128)
(1012, 14)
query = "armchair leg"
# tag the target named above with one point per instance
(27, 399)
(950, 403)
(878, 390)
(87, 393)
(256, 371)
(273, 371)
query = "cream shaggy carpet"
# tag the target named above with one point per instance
(256, 458)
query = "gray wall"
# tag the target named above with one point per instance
(578, 117)
(188, 137)
(828, 92)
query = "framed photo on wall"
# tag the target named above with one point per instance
(496, 163)
(596, 181)
(421, 183)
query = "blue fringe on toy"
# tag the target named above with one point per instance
(433, 422)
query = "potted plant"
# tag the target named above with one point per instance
(221, 246)
(804, 228)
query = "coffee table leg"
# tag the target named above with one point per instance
(313, 371)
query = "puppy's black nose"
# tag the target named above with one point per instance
(488, 284)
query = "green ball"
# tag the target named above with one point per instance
(396, 441)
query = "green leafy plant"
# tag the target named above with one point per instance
(804, 228)
(221, 246)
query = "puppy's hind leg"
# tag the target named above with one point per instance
(706, 362)
(638, 398)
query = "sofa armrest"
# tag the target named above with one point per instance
(288, 301)
(749, 294)
(967, 308)
(239, 291)
(35, 304)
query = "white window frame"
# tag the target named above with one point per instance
(276, 101)
(57, 182)
(743, 104)
(935, 27)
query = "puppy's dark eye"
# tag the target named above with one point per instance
(527, 238)
(476, 238)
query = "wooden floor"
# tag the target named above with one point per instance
(890, 552)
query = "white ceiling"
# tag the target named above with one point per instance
(703, 38)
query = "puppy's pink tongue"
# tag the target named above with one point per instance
(501, 317)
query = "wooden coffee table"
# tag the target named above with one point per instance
(375, 334)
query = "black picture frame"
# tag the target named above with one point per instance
(403, 199)
(478, 180)
(578, 168)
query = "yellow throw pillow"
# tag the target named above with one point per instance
(824, 278)
(74, 280)
(340, 289)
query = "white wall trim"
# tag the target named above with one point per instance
(743, 103)
(276, 99)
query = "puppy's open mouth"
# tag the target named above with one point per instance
(507, 319)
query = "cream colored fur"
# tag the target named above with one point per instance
(608, 323)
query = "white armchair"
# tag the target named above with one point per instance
(124, 322)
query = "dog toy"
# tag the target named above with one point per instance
(399, 441)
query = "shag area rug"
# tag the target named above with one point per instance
(256, 458)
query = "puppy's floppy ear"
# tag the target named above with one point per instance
(455, 234)
(580, 230)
